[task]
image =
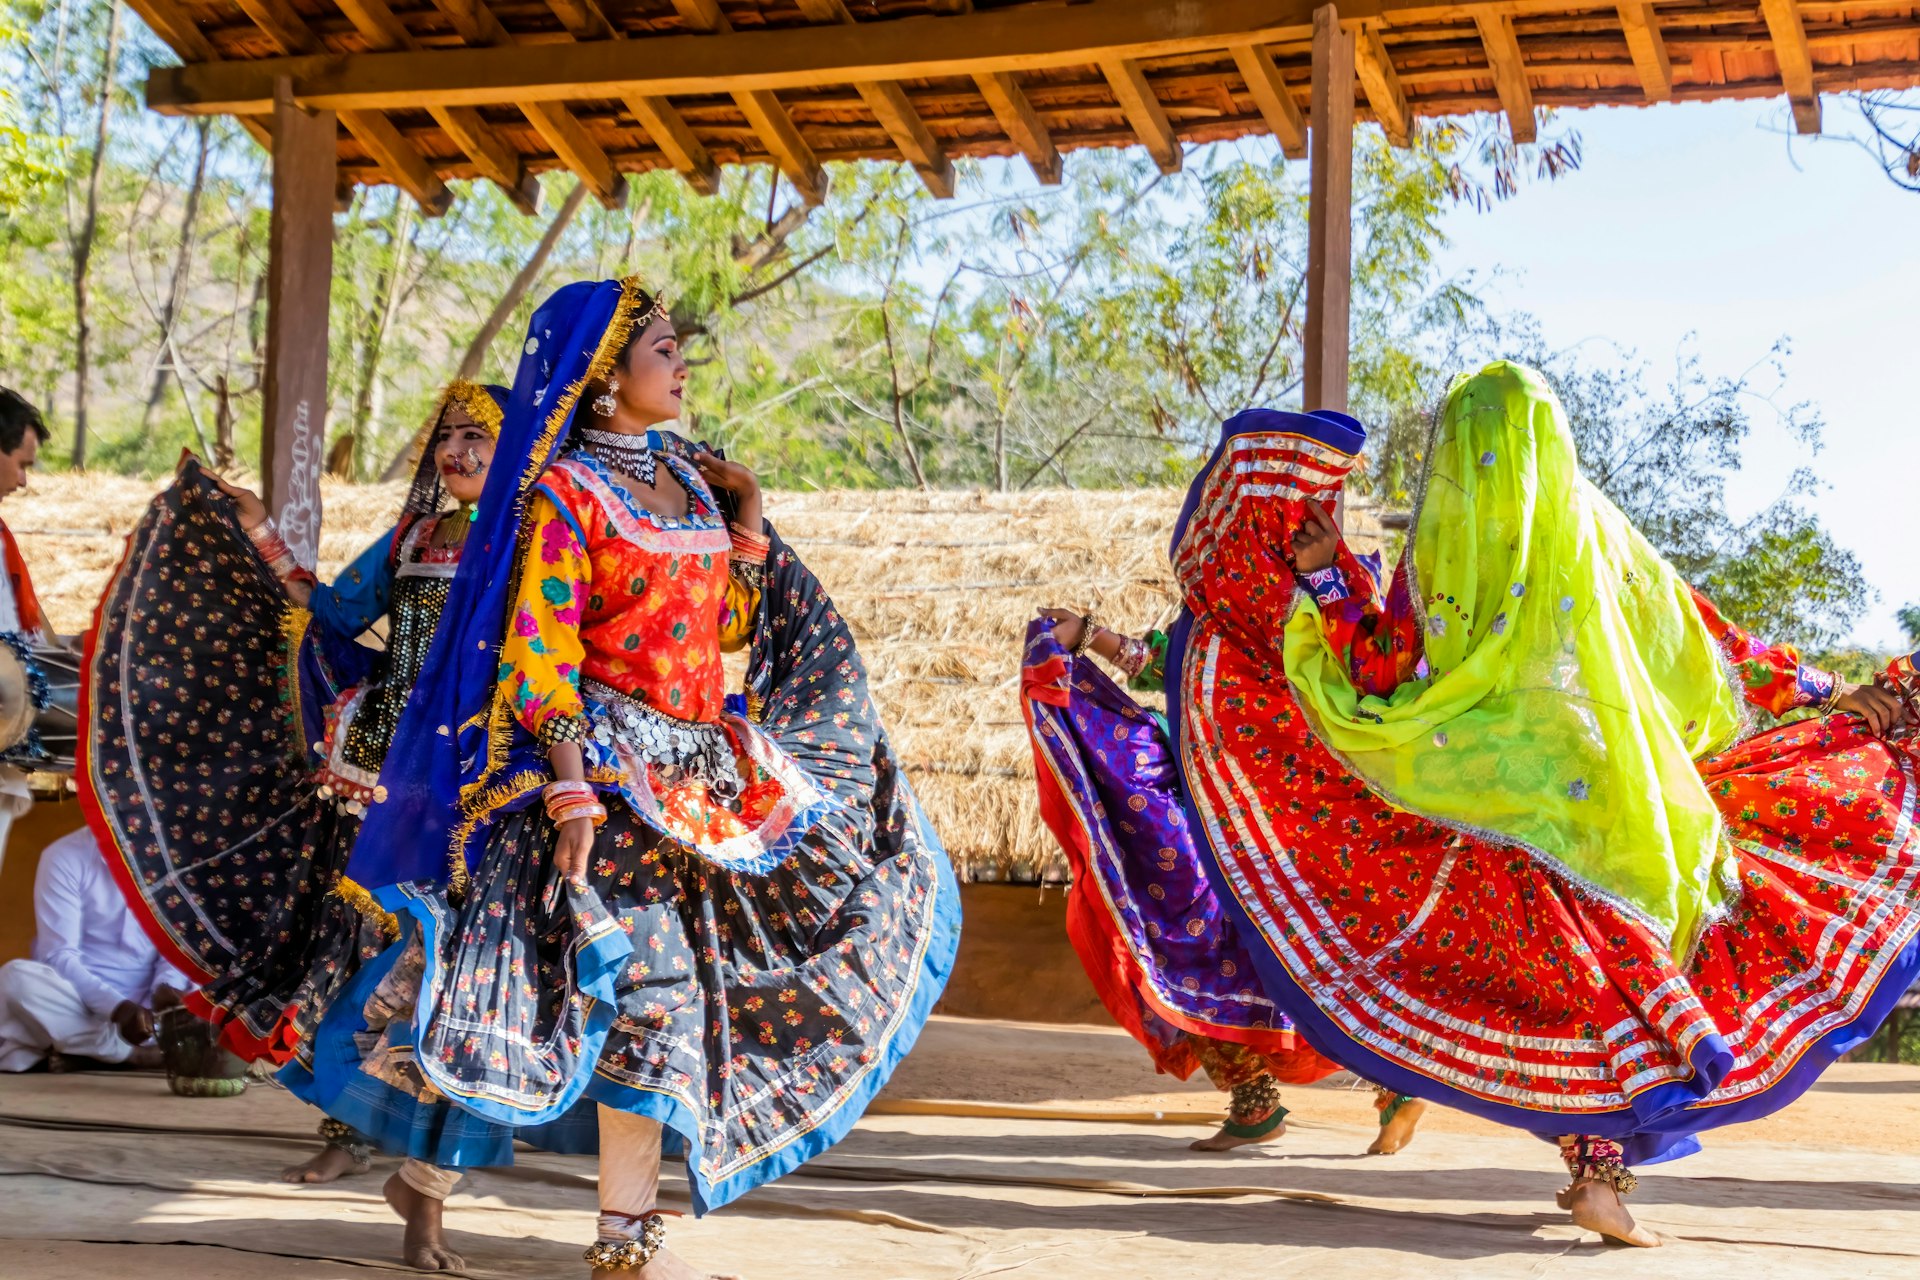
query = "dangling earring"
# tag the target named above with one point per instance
(604, 405)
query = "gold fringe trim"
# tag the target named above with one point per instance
(293, 633)
(360, 900)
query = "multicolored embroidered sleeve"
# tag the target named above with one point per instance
(1143, 662)
(1772, 676)
(540, 659)
(746, 573)
(1380, 639)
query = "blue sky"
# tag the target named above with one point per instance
(1705, 220)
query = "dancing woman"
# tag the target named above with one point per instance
(1504, 839)
(218, 663)
(729, 925)
(1153, 937)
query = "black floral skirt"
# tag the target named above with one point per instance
(199, 702)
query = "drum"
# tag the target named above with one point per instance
(57, 720)
(39, 705)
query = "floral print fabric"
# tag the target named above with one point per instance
(1463, 971)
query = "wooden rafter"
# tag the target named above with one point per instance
(585, 20)
(763, 109)
(1796, 61)
(1509, 72)
(1270, 93)
(1641, 26)
(1021, 123)
(177, 30)
(400, 159)
(492, 155)
(1382, 86)
(553, 121)
(889, 105)
(1143, 111)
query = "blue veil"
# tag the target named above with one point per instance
(459, 756)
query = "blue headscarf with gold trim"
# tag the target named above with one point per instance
(458, 756)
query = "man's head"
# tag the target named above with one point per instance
(21, 434)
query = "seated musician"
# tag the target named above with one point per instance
(21, 434)
(87, 996)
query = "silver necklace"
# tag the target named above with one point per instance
(636, 455)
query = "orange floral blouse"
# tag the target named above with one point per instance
(640, 602)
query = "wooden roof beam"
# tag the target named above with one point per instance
(1796, 61)
(492, 156)
(1641, 26)
(585, 20)
(1270, 93)
(1382, 86)
(553, 121)
(889, 104)
(1014, 40)
(397, 157)
(176, 29)
(1143, 111)
(1509, 73)
(1023, 125)
(763, 110)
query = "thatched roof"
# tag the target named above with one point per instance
(937, 586)
(437, 89)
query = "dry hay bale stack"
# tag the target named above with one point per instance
(938, 588)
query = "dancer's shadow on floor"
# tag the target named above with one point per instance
(1157, 1159)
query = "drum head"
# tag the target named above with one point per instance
(16, 702)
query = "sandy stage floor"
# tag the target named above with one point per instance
(1002, 1150)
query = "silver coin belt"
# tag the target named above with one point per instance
(680, 749)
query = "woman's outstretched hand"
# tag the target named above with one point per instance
(1880, 709)
(1067, 625)
(252, 511)
(1317, 541)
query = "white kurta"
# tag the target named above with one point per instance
(89, 954)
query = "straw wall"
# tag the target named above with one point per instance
(938, 588)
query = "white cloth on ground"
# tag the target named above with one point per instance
(89, 954)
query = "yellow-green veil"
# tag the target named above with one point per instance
(1570, 681)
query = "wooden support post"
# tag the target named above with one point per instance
(1509, 72)
(299, 278)
(1796, 61)
(1329, 213)
(1641, 26)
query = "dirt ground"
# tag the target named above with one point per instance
(1001, 1149)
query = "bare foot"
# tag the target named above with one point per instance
(330, 1163)
(147, 1057)
(1397, 1132)
(1597, 1207)
(1224, 1141)
(666, 1265)
(425, 1246)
